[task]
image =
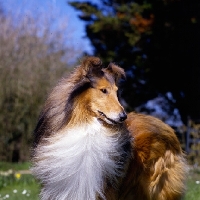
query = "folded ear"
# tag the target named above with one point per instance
(115, 71)
(92, 67)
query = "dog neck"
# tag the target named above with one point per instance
(77, 162)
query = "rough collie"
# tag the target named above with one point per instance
(87, 148)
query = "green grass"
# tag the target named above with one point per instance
(4, 166)
(193, 185)
(15, 186)
(20, 190)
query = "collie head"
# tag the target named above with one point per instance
(89, 92)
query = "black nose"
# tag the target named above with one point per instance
(122, 116)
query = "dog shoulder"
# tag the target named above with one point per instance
(151, 133)
(158, 162)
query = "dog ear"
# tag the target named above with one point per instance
(92, 67)
(115, 71)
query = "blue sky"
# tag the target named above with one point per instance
(60, 7)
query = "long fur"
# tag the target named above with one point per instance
(79, 162)
(84, 150)
(158, 169)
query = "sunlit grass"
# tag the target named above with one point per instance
(16, 182)
(193, 185)
(19, 186)
(20, 191)
(4, 166)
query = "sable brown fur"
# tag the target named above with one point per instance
(158, 167)
(85, 148)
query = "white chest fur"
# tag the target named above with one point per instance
(76, 162)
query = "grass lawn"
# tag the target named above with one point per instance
(17, 184)
(193, 185)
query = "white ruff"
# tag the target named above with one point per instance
(76, 162)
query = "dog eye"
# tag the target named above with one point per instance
(104, 91)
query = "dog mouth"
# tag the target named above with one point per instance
(107, 119)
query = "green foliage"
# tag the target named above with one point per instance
(31, 62)
(111, 29)
(156, 42)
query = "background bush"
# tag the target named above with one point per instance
(33, 55)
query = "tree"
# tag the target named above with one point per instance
(174, 52)
(32, 58)
(156, 42)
